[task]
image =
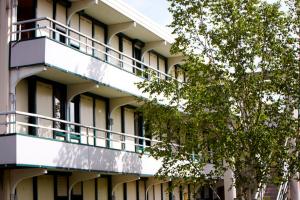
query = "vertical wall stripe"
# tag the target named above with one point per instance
(55, 186)
(108, 121)
(137, 186)
(123, 125)
(153, 191)
(32, 103)
(162, 191)
(94, 119)
(93, 36)
(189, 192)
(124, 191)
(170, 192)
(145, 189)
(68, 185)
(34, 188)
(180, 192)
(109, 187)
(96, 188)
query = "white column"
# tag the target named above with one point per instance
(294, 189)
(5, 28)
(229, 189)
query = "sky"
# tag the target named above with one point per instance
(157, 10)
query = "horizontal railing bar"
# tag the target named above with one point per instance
(100, 51)
(70, 124)
(92, 40)
(72, 133)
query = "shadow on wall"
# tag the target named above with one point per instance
(96, 69)
(76, 156)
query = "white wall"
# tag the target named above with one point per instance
(75, 156)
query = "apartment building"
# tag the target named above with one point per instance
(69, 124)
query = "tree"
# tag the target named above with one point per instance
(238, 106)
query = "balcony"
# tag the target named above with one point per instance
(40, 141)
(44, 41)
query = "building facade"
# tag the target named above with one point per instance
(69, 123)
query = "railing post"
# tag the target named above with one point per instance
(37, 128)
(123, 144)
(68, 128)
(87, 135)
(19, 28)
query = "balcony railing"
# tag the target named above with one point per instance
(51, 128)
(50, 28)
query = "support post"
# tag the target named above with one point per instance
(17, 175)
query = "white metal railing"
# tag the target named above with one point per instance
(52, 128)
(50, 28)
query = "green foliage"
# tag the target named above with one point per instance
(238, 103)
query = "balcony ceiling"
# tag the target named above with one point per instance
(69, 78)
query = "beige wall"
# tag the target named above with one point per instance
(162, 67)
(100, 114)
(74, 23)
(89, 190)
(102, 189)
(45, 187)
(141, 190)
(25, 190)
(44, 9)
(62, 186)
(153, 60)
(116, 115)
(86, 28)
(119, 192)
(146, 58)
(127, 50)
(61, 14)
(22, 104)
(77, 189)
(157, 192)
(86, 118)
(131, 190)
(44, 106)
(99, 36)
(176, 193)
(151, 193)
(114, 43)
(129, 129)
(165, 191)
